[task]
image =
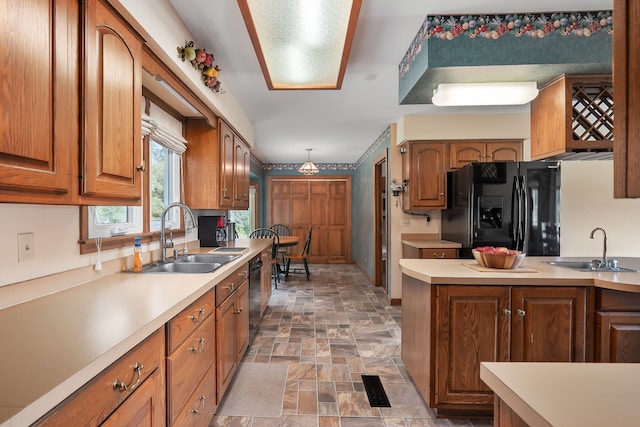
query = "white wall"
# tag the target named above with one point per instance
(586, 203)
(56, 232)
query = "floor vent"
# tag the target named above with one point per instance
(375, 391)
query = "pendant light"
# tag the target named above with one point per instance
(308, 168)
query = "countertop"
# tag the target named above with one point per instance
(458, 272)
(567, 394)
(431, 243)
(52, 345)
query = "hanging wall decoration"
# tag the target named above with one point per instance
(203, 62)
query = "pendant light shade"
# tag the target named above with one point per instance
(308, 168)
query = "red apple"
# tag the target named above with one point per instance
(502, 250)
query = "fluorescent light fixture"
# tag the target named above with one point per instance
(504, 93)
(301, 44)
(308, 168)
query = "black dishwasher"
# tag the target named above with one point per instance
(255, 273)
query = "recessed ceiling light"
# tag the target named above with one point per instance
(301, 44)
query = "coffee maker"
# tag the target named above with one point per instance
(211, 230)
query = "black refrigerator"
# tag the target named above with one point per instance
(510, 204)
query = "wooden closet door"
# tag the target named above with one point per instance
(318, 193)
(338, 230)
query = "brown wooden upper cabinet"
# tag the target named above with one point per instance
(217, 165)
(111, 141)
(573, 113)
(464, 152)
(60, 121)
(626, 78)
(424, 168)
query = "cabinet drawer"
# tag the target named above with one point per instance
(179, 328)
(94, 402)
(438, 253)
(231, 283)
(610, 300)
(188, 364)
(201, 405)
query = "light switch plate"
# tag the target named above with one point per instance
(26, 247)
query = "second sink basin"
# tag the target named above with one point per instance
(587, 266)
(208, 258)
(184, 267)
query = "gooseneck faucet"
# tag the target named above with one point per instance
(163, 240)
(604, 261)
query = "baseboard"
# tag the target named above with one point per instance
(395, 301)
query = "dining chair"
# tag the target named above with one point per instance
(282, 230)
(267, 233)
(302, 258)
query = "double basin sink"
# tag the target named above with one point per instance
(196, 263)
(593, 266)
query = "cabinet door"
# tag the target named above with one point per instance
(145, 408)
(472, 327)
(112, 140)
(338, 211)
(618, 337)
(241, 175)
(548, 324)
(242, 330)
(38, 101)
(461, 153)
(504, 151)
(226, 320)
(427, 182)
(318, 199)
(226, 165)
(265, 280)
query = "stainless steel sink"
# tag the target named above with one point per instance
(230, 249)
(183, 267)
(588, 266)
(209, 258)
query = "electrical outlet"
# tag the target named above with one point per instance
(26, 247)
(405, 222)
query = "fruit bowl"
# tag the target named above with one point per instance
(501, 258)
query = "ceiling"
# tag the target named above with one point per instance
(338, 125)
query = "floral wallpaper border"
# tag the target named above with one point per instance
(493, 27)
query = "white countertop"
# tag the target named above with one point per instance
(457, 272)
(431, 243)
(568, 394)
(51, 346)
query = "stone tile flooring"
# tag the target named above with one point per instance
(331, 330)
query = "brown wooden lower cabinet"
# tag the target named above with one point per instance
(101, 401)
(448, 330)
(504, 416)
(232, 335)
(617, 326)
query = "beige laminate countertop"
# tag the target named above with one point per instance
(431, 243)
(456, 272)
(52, 345)
(567, 394)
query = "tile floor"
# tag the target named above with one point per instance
(330, 330)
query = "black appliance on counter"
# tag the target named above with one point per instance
(209, 233)
(510, 204)
(255, 269)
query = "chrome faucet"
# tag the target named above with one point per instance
(604, 262)
(163, 240)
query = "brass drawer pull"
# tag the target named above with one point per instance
(198, 317)
(229, 288)
(201, 410)
(121, 386)
(441, 256)
(197, 350)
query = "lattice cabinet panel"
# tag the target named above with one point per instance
(592, 118)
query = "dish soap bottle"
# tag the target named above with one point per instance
(137, 256)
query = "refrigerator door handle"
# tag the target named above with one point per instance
(525, 211)
(515, 211)
(521, 214)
